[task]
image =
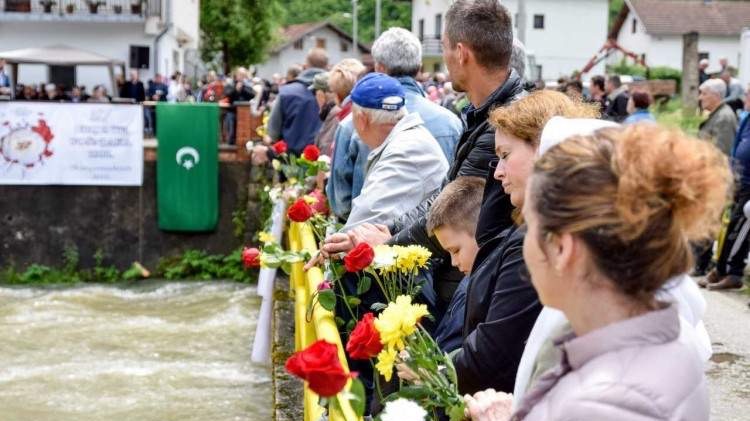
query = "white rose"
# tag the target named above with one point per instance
(324, 158)
(385, 257)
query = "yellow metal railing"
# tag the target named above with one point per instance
(321, 325)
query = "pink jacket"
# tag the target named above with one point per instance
(634, 370)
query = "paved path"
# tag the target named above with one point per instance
(728, 322)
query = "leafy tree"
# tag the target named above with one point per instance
(614, 10)
(237, 32)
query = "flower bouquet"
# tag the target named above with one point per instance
(396, 336)
(298, 168)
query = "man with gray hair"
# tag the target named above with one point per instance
(721, 124)
(397, 53)
(404, 165)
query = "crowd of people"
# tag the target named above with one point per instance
(563, 224)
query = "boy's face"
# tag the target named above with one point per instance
(460, 244)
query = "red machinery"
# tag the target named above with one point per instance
(608, 48)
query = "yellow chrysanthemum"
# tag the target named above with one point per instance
(262, 260)
(410, 258)
(310, 200)
(386, 359)
(266, 237)
(398, 321)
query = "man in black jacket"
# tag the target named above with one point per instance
(133, 88)
(617, 100)
(477, 47)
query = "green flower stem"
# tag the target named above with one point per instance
(346, 301)
(376, 377)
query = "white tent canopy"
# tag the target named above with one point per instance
(59, 55)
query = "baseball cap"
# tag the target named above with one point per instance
(320, 82)
(379, 91)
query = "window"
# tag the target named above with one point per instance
(538, 21)
(539, 72)
(299, 44)
(635, 26)
(63, 75)
(703, 55)
(344, 46)
(436, 67)
(515, 20)
(438, 25)
(139, 57)
(320, 43)
(421, 29)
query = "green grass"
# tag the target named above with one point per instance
(670, 115)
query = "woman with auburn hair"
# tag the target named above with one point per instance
(501, 305)
(610, 216)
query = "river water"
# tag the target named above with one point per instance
(156, 352)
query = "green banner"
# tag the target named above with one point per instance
(187, 166)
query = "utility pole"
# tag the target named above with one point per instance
(354, 29)
(689, 73)
(521, 21)
(377, 17)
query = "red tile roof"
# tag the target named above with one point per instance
(676, 17)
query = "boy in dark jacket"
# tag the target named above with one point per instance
(499, 305)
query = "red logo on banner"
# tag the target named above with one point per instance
(26, 145)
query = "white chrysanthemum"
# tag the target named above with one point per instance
(385, 258)
(325, 158)
(403, 410)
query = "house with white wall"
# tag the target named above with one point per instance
(654, 28)
(153, 36)
(297, 40)
(560, 36)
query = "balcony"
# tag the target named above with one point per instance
(79, 10)
(432, 47)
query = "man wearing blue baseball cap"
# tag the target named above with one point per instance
(405, 164)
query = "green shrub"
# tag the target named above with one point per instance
(623, 68)
(665, 73)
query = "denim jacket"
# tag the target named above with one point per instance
(350, 154)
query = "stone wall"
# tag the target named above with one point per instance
(40, 222)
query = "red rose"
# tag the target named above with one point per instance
(300, 211)
(359, 257)
(321, 206)
(280, 147)
(251, 257)
(364, 341)
(319, 365)
(311, 153)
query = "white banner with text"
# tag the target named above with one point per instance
(73, 144)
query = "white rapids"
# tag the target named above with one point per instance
(164, 351)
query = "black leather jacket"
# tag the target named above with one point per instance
(474, 151)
